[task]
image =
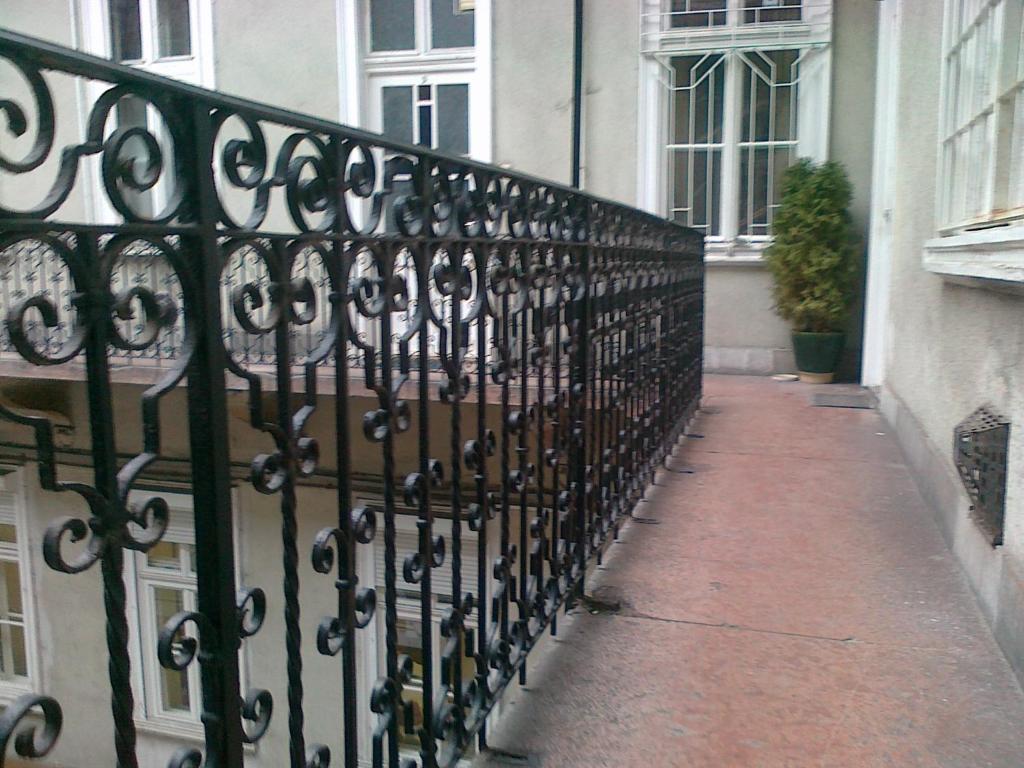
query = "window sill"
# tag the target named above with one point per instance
(992, 258)
(174, 729)
(735, 253)
(181, 731)
(10, 691)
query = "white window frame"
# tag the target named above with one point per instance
(422, 50)
(195, 68)
(94, 37)
(12, 481)
(734, 40)
(422, 66)
(985, 249)
(143, 633)
(379, 82)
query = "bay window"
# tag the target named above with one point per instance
(981, 173)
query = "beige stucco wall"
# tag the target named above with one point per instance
(533, 87)
(268, 51)
(950, 348)
(533, 78)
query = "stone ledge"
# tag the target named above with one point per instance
(992, 258)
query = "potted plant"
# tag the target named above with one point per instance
(812, 263)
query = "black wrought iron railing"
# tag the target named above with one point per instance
(302, 262)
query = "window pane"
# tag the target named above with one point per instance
(8, 533)
(453, 118)
(697, 13)
(174, 32)
(125, 30)
(12, 619)
(396, 112)
(769, 96)
(425, 119)
(166, 554)
(415, 697)
(10, 610)
(449, 27)
(16, 646)
(131, 112)
(699, 99)
(173, 685)
(1017, 153)
(768, 11)
(761, 170)
(392, 25)
(410, 642)
(696, 188)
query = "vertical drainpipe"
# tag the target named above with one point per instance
(577, 89)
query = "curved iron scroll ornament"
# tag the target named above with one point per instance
(299, 262)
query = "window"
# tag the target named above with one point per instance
(410, 627)
(716, 13)
(733, 92)
(165, 583)
(771, 11)
(420, 26)
(410, 643)
(421, 73)
(981, 178)
(161, 583)
(16, 630)
(697, 13)
(435, 115)
(172, 38)
(733, 134)
(150, 32)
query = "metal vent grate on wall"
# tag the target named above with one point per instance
(979, 451)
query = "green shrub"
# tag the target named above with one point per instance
(812, 256)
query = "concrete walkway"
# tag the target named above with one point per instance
(790, 604)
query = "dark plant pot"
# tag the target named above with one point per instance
(817, 355)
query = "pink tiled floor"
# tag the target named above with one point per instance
(792, 605)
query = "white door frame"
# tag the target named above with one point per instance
(879, 262)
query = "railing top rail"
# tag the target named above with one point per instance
(52, 56)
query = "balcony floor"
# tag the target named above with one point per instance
(790, 604)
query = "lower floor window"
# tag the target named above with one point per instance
(14, 626)
(410, 643)
(13, 651)
(166, 585)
